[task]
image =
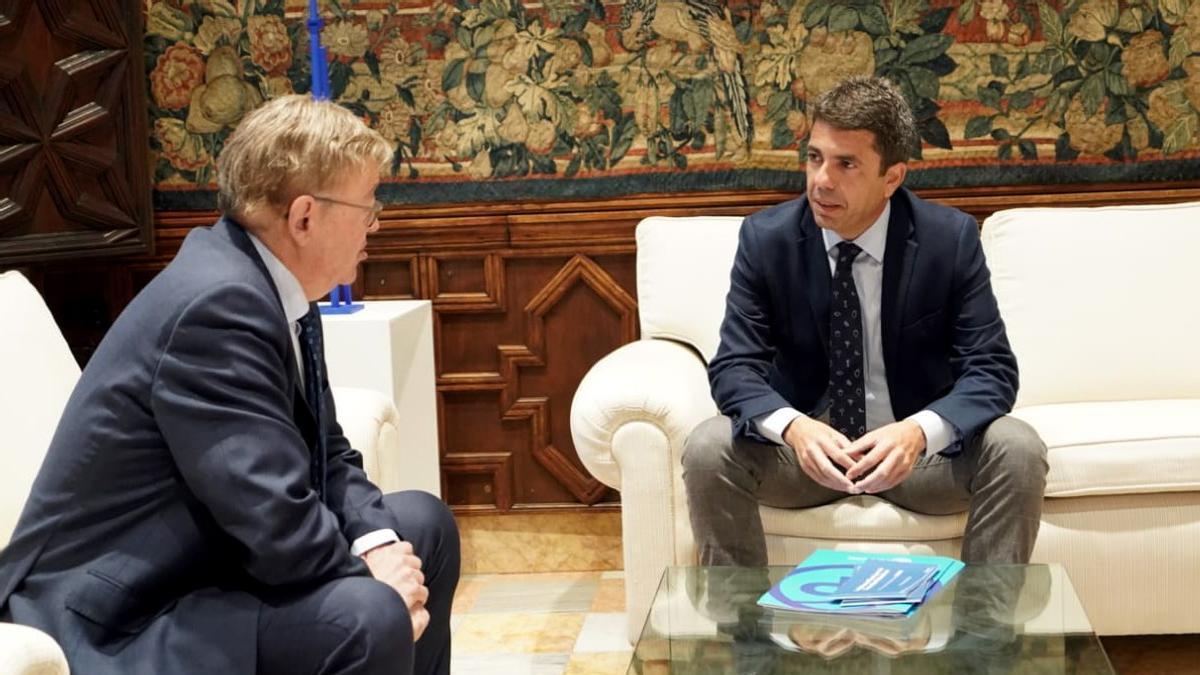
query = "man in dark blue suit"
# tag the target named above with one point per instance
(199, 510)
(863, 352)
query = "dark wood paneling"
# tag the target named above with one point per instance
(525, 300)
(389, 277)
(465, 282)
(74, 176)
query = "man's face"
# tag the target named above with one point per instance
(846, 190)
(344, 215)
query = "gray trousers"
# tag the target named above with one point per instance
(999, 479)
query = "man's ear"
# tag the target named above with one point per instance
(893, 178)
(299, 219)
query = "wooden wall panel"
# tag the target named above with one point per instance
(465, 282)
(525, 300)
(389, 277)
(74, 180)
(520, 329)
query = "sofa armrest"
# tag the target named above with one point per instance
(659, 382)
(370, 422)
(629, 420)
(29, 651)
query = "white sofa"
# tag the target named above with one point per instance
(39, 374)
(1098, 312)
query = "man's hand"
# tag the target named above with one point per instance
(818, 446)
(886, 456)
(395, 565)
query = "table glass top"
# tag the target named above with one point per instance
(989, 619)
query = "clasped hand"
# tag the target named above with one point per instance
(878, 461)
(397, 566)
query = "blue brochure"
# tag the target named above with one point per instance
(812, 585)
(886, 580)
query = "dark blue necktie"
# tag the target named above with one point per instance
(847, 402)
(314, 388)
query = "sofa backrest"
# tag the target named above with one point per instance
(39, 373)
(1098, 301)
(683, 267)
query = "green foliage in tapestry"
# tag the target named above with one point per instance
(497, 89)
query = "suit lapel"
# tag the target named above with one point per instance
(899, 259)
(816, 273)
(302, 413)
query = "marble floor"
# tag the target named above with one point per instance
(573, 623)
(553, 623)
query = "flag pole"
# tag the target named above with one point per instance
(319, 71)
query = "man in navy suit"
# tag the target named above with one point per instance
(863, 352)
(199, 510)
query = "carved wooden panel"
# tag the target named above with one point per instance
(389, 277)
(478, 479)
(465, 282)
(525, 300)
(74, 178)
(510, 361)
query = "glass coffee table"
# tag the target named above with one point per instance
(990, 619)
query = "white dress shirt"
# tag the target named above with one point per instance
(868, 280)
(295, 306)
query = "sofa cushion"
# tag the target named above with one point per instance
(1096, 300)
(683, 267)
(1119, 447)
(861, 517)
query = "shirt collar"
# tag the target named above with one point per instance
(291, 293)
(873, 241)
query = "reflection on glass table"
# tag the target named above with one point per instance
(991, 619)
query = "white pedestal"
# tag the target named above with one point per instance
(388, 346)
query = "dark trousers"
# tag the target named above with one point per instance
(359, 625)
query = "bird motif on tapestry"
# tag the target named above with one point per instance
(707, 27)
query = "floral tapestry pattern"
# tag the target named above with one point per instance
(591, 98)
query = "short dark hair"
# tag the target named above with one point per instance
(871, 104)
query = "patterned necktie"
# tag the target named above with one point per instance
(314, 387)
(847, 403)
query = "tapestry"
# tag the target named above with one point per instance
(505, 100)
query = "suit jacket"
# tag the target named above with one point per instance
(944, 345)
(176, 492)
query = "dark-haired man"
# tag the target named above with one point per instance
(862, 352)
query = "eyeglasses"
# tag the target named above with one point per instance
(375, 208)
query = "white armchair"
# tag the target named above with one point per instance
(39, 375)
(1096, 304)
(635, 407)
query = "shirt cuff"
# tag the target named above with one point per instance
(938, 432)
(773, 425)
(372, 540)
